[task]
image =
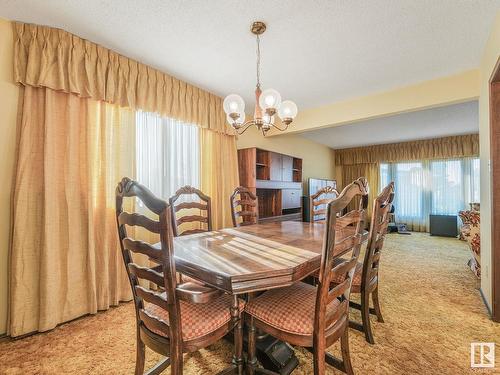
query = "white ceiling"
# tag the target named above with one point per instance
(314, 52)
(430, 123)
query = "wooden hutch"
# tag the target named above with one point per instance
(276, 179)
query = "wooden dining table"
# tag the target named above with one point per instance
(250, 259)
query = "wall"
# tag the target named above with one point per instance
(318, 160)
(8, 114)
(490, 57)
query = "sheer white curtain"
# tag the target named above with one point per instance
(441, 187)
(167, 154)
(411, 200)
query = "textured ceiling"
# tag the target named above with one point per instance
(314, 52)
(430, 123)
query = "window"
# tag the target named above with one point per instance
(447, 187)
(441, 187)
(475, 178)
(167, 154)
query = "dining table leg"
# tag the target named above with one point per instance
(252, 367)
(252, 358)
(237, 364)
(238, 361)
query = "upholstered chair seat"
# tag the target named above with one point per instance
(365, 280)
(289, 309)
(172, 316)
(197, 320)
(315, 317)
(367, 284)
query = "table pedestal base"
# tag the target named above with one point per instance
(276, 356)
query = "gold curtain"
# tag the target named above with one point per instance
(219, 177)
(53, 58)
(439, 148)
(65, 258)
(76, 141)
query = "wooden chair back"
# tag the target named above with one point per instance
(163, 274)
(203, 220)
(343, 237)
(318, 202)
(244, 207)
(382, 206)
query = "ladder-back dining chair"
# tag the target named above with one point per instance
(171, 318)
(318, 202)
(185, 211)
(244, 207)
(366, 278)
(317, 316)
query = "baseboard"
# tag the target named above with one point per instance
(486, 303)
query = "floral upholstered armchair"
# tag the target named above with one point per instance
(471, 233)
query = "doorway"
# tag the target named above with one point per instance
(495, 189)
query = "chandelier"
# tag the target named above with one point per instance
(267, 102)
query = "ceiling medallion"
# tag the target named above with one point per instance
(267, 102)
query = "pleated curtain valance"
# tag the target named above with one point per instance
(439, 148)
(59, 60)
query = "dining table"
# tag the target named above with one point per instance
(248, 259)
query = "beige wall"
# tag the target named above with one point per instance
(8, 113)
(490, 57)
(438, 92)
(318, 160)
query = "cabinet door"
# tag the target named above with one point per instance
(287, 168)
(275, 173)
(291, 198)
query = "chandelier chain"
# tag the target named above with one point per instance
(258, 61)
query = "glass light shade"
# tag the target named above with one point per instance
(234, 104)
(270, 98)
(288, 109)
(240, 120)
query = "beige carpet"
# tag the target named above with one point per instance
(430, 301)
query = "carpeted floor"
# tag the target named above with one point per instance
(430, 301)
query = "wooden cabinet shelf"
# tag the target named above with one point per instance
(276, 179)
(297, 169)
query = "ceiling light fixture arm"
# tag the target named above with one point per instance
(240, 129)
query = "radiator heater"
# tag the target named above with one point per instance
(443, 225)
